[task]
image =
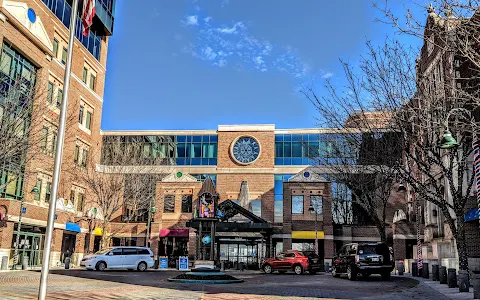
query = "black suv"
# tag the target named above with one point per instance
(363, 258)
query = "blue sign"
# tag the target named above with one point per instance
(183, 263)
(206, 240)
(163, 262)
(24, 210)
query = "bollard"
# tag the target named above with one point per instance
(476, 284)
(425, 271)
(67, 263)
(222, 265)
(401, 267)
(442, 272)
(435, 274)
(327, 267)
(452, 278)
(4, 262)
(414, 269)
(463, 282)
(24, 262)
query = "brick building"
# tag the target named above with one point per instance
(34, 34)
(269, 176)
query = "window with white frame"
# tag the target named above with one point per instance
(89, 76)
(54, 92)
(48, 141)
(77, 196)
(44, 185)
(60, 46)
(85, 117)
(80, 155)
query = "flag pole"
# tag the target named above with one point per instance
(58, 156)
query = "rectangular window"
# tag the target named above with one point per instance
(39, 187)
(169, 204)
(80, 115)
(186, 203)
(55, 47)
(297, 204)
(75, 156)
(317, 202)
(11, 184)
(92, 82)
(50, 92)
(84, 157)
(59, 97)
(88, 122)
(43, 142)
(72, 196)
(54, 143)
(80, 201)
(84, 74)
(48, 193)
(256, 207)
(64, 55)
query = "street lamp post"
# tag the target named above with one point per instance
(312, 209)
(36, 192)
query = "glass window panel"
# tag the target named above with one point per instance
(186, 203)
(43, 143)
(278, 211)
(297, 204)
(181, 139)
(279, 161)
(196, 161)
(89, 120)
(287, 137)
(204, 161)
(296, 137)
(196, 150)
(84, 74)
(256, 207)
(278, 197)
(64, 55)
(278, 149)
(80, 115)
(287, 161)
(11, 184)
(197, 138)
(313, 137)
(278, 187)
(212, 161)
(6, 62)
(169, 204)
(279, 138)
(59, 97)
(50, 92)
(297, 149)
(287, 149)
(180, 161)
(317, 202)
(297, 161)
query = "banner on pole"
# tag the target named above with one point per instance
(163, 262)
(183, 263)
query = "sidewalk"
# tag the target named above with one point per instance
(451, 293)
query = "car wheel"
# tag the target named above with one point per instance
(334, 272)
(142, 267)
(351, 273)
(101, 266)
(267, 269)
(298, 269)
(385, 276)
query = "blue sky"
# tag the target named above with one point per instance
(194, 64)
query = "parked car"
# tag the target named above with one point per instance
(365, 259)
(296, 261)
(140, 258)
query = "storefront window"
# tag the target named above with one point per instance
(297, 204)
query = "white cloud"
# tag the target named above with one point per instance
(191, 20)
(221, 63)
(258, 60)
(232, 29)
(209, 53)
(327, 75)
(207, 19)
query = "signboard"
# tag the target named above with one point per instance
(183, 263)
(24, 210)
(163, 262)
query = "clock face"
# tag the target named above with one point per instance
(246, 150)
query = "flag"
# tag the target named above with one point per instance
(87, 15)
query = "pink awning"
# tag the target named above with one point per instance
(180, 232)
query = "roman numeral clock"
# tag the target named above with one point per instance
(245, 150)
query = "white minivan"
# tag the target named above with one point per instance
(140, 258)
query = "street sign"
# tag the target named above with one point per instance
(163, 262)
(24, 210)
(183, 263)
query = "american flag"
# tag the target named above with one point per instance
(87, 15)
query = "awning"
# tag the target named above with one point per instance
(472, 215)
(177, 232)
(72, 227)
(307, 235)
(97, 231)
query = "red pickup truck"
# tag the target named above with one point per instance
(294, 260)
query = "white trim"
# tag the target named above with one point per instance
(281, 236)
(81, 82)
(158, 132)
(247, 127)
(406, 236)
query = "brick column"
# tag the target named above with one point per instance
(287, 244)
(57, 239)
(399, 248)
(328, 248)
(6, 236)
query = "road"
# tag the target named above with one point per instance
(81, 284)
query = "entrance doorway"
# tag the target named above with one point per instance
(30, 245)
(68, 246)
(238, 254)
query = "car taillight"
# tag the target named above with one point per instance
(357, 259)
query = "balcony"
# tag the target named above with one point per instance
(102, 22)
